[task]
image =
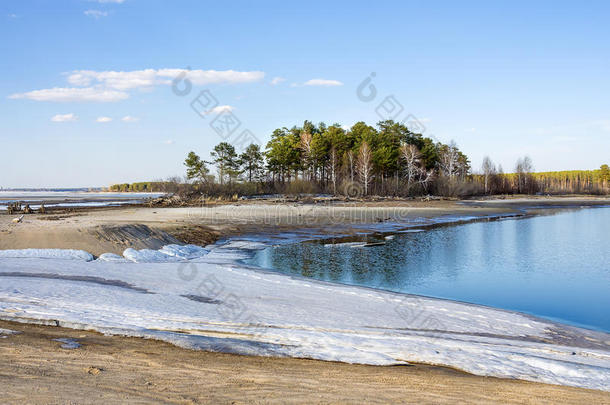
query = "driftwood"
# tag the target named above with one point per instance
(17, 220)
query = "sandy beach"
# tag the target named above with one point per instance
(35, 369)
(133, 370)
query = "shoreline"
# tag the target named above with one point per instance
(244, 223)
(132, 370)
(113, 229)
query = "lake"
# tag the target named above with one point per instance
(71, 198)
(553, 266)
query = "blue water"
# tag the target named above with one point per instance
(554, 266)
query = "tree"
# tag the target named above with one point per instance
(411, 157)
(195, 168)
(449, 157)
(488, 169)
(523, 169)
(226, 161)
(252, 162)
(364, 166)
(333, 163)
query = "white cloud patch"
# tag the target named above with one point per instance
(110, 1)
(96, 13)
(64, 118)
(120, 80)
(71, 94)
(110, 86)
(129, 118)
(169, 142)
(220, 109)
(323, 82)
(277, 80)
(103, 119)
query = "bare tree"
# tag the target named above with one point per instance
(425, 178)
(489, 169)
(350, 161)
(333, 168)
(364, 166)
(449, 159)
(306, 150)
(523, 169)
(411, 156)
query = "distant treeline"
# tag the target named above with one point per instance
(560, 182)
(385, 160)
(168, 186)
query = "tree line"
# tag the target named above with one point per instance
(385, 160)
(388, 159)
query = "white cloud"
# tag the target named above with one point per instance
(111, 1)
(103, 119)
(12, 15)
(152, 77)
(277, 80)
(322, 82)
(221, 108)
(129, 118)
(169, 142)
(110, 86)
(71, 94)
(64, 118)
(96, 13)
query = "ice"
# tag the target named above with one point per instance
(8, 332)
(111, 257)
(148, 256)
(64, 254)
(68, 343)
(244, 310)
(184, 251)
(359, 244)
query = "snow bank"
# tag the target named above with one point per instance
(184, 251)
(247, 311)
(111, 257)
(64, 254)
(148, 256)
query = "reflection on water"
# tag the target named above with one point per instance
(555, 266)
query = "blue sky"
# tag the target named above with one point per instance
(502, 79)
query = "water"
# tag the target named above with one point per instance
(555, 266)
(71, 198)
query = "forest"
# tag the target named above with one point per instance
(385, 160)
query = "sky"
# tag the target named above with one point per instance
(100, 92)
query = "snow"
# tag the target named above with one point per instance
(111, 257)
(184, 251)
(148, 256)
(214, 302)
(8, 332)
(63, 254)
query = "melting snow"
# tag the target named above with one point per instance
(190, 296)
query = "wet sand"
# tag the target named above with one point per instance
(35, 369)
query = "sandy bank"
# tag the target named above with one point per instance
(115, 229)
(129, 370)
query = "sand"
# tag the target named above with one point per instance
(35, 369)
(115, 229)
